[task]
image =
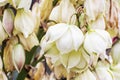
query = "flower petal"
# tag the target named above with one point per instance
(77, 36)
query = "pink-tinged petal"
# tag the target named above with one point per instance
(18, 57)
(8, 21)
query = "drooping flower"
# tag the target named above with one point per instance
(100, 40)
(61, 43)
(24, 22)
(64, 12)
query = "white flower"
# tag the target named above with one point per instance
(64, 12)
(97, 41)
(61, 44)
(24, 22)
(66, 37)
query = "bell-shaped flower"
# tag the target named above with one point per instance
(104, 68)
(97, 41)
(94, 8)
(64, 12)
(8, 21)
(61, 43)
(86, 75)
(18, 57)
(29, 42)
(115, 53)
(24, 22)
(66, 37)
(3, 2)
(7, 56)
(3, 34)
(26, 4)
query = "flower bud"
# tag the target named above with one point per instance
(24, 22)
(64, 12)
(45, 7)
(18, 57)
(3, 34)
(7, 56)
(8, 21)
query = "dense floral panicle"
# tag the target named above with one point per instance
(24, 22)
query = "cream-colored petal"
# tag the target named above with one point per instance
(65, 43)
(55, 32)
(77, 36)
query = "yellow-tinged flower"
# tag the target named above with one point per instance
(7, 56)
(100, 40)
(45, 7)
(3, 34)
(115, 53)
(24, 22)
(18, 57)
(8, 21)
(64, 12)
(29, 42)
(21, 3)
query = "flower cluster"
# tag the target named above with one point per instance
(59, 39)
